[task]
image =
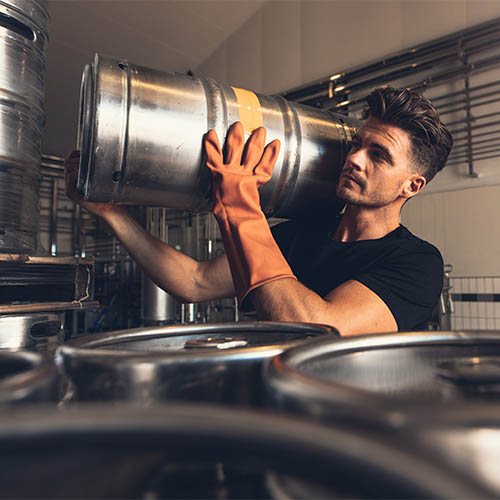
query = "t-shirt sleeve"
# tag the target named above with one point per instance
(410, 285)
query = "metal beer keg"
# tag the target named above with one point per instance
(23, 40)
(141, 132)
(36, 331)
(211, 362)
(200, 451)
(386, 373)
(27, 377)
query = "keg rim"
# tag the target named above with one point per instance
(85, 124)
(93, 346)
(18, 386)
(318, 395)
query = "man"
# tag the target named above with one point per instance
(362, 272)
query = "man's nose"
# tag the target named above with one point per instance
(357, 159)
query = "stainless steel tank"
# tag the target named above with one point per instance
(23, 40)
(158, 306)
(141, 133)
(201, 451)
(26, 378)
(210, 362)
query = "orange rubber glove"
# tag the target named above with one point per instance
(254, 257)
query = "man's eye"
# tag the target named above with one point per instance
(355, 145)
(378, 155)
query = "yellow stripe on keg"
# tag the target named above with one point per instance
(249, 110)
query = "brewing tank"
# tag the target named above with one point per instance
(141, 137)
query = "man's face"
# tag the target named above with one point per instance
(377, 167)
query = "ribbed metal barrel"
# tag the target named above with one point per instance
(211, 362)
(23, 40)
(141, 135)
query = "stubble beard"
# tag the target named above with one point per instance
(352, 198)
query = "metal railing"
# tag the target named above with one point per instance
(475, 302)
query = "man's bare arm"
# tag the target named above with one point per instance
(352, 308)
(183, 277)
(174, 272)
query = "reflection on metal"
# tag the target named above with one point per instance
(23, 39)
(217, 363)
(36, 331)
(26, 378)
(141, 137)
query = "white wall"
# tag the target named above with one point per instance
(290, 43)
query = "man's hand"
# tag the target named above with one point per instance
(253, 255)
(71, 164)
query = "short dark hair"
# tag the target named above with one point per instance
(431, 141)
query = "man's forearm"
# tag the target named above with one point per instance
(173, 271)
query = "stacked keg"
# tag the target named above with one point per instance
(23, 40)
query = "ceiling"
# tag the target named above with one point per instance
(172, 35)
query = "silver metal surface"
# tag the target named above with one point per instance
(141, 134)
(27, 377)
(23, 39)
(38, 331)
(217, 362)
(157, 305)
(440, 389)
(386, 372)
(202, 451)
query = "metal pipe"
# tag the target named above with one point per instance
(53, 219)
(141, 140)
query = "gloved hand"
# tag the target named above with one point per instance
(254, 257)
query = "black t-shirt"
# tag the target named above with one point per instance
(403, 270)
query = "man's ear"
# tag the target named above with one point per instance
(414, 185)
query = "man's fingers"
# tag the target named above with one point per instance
(234, 144)
(254, 149)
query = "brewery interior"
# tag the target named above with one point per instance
(114, 388)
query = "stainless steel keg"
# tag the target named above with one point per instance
(200, 451)
(23, 40)
(27, 377)
(439, 389)
(210, 362)
(36, 331)
(141, 134)
(385, 373)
